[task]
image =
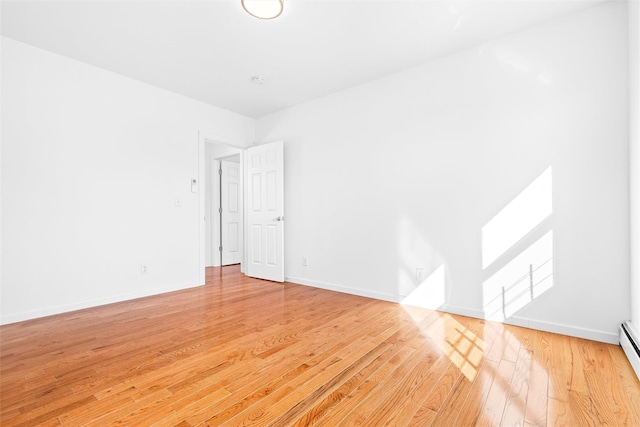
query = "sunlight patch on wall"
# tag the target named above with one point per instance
(421, 275)
(532, 206)
(430, 293)
(522, 280)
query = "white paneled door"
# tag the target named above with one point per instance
(265, 211)
(231, 213)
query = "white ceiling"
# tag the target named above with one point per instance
(209, 50)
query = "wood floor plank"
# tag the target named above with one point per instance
(448, 413)
(380, 406)
(423, 418)
(537, 400)
(580, 409)
(625, 411)
(599, 383)
(470, 411)
(267, 409)
(499, 345)
(308, 398)
(367, 388)
(317, 408)
(512, 347)
(498, 396)
(514, 412)
(94, 410)
(48, 412)
(409, 407)
(358, 384)
(245, 351)
(443, 386)
(559, 367)
(526, 337)
(579, 358)
(244, 396)
(559, 413)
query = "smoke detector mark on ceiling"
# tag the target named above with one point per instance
(259, 80)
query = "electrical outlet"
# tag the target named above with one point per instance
(144, 269)
(419, 275)
(305, 261)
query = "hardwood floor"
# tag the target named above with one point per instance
(240, 351)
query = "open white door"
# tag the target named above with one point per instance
(265, 211)
(230, 212)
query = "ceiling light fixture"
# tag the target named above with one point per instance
(263, 9)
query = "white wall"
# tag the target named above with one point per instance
(634, 138)
(92, 163)
(405, 171)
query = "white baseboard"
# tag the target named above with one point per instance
(343, 289)
(49, 311)
(556, 328)
(462, 311)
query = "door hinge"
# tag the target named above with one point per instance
(220, 248)
(220, 171)
(219, 210)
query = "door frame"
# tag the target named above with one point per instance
(203, 138)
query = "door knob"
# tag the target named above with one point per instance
(280, 218)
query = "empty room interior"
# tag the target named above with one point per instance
(306, 212)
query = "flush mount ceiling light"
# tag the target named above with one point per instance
(263, 9)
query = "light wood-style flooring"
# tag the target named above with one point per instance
(241, 351)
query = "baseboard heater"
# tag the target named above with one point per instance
(630, 343)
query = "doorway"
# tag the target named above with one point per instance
(223, 210)
(230, 210)
(263, 256)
